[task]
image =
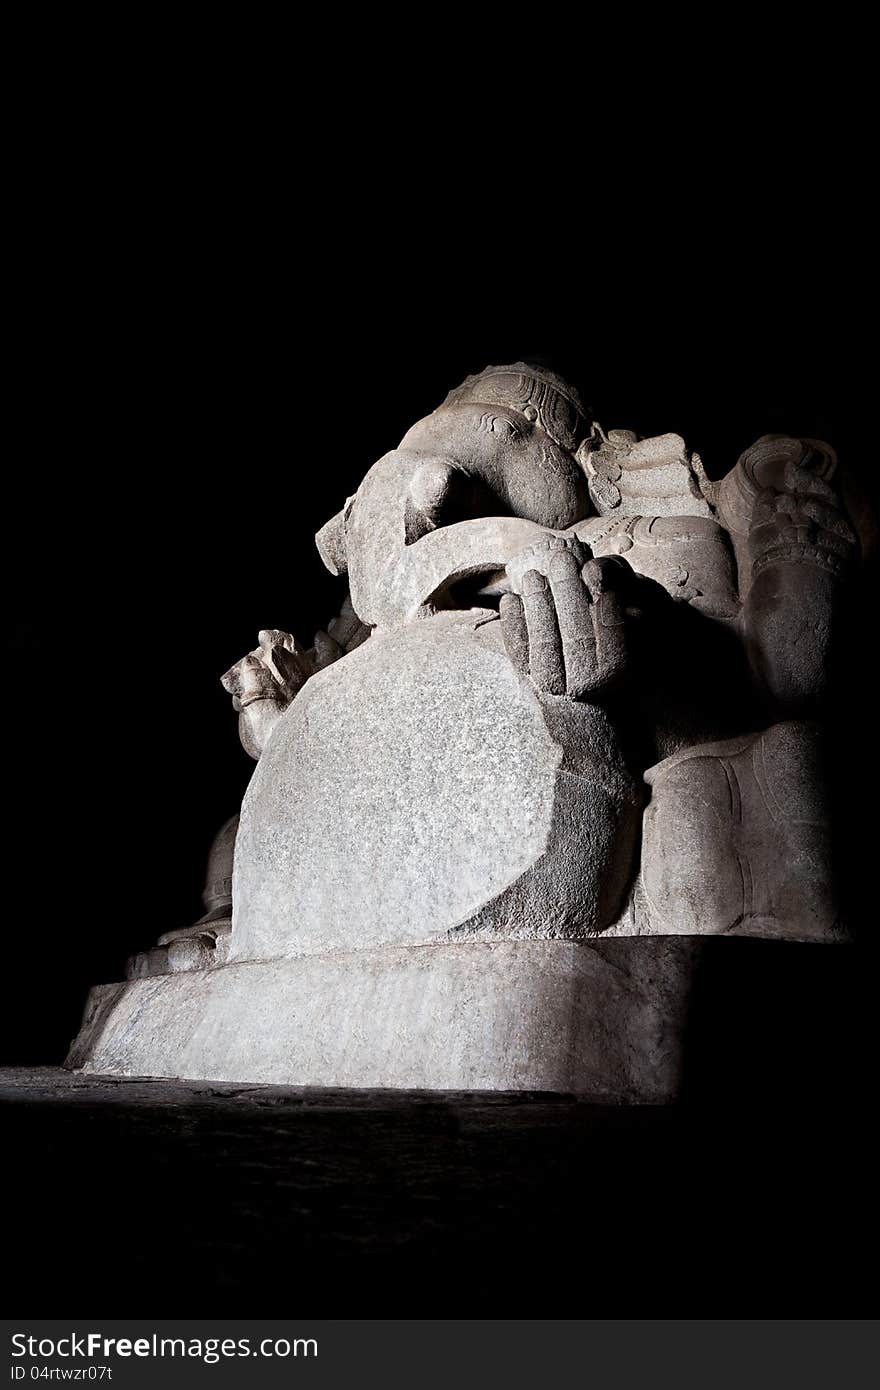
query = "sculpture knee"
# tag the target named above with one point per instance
(736, 839)
(692, 876)
(788, 766)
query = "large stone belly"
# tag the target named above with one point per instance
(405, 789)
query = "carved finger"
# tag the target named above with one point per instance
(514, 632)
(255, 681)
(576, 630)
(546, 665)
(785, 519)
(828, 518)
(800, 475)
(327, 650)
(284, 658)
(611, 584)
(766, 535)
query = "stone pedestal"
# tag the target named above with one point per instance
(618, 1021)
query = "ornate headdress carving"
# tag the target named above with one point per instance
(537, 393)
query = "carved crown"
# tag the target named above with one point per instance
(536, 392)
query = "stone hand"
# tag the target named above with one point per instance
(801, 524)
(801, 546)
(275, 670)
(564, 626)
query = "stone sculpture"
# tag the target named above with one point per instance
(566, 727)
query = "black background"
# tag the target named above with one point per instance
(236, 277)
(198, 398)
(220, 330)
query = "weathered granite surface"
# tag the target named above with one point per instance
(605, 1020)
(576, 692)
(419, 780)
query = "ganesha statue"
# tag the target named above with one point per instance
(565, 730)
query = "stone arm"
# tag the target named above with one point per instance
(265, 682)
(801, 548)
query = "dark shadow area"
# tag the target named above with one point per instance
(781, 1025)
(381, 1204)
(198, 436)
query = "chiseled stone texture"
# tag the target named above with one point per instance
(576, 690)
(736, 839)
(605, 1020)
(419, 788)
